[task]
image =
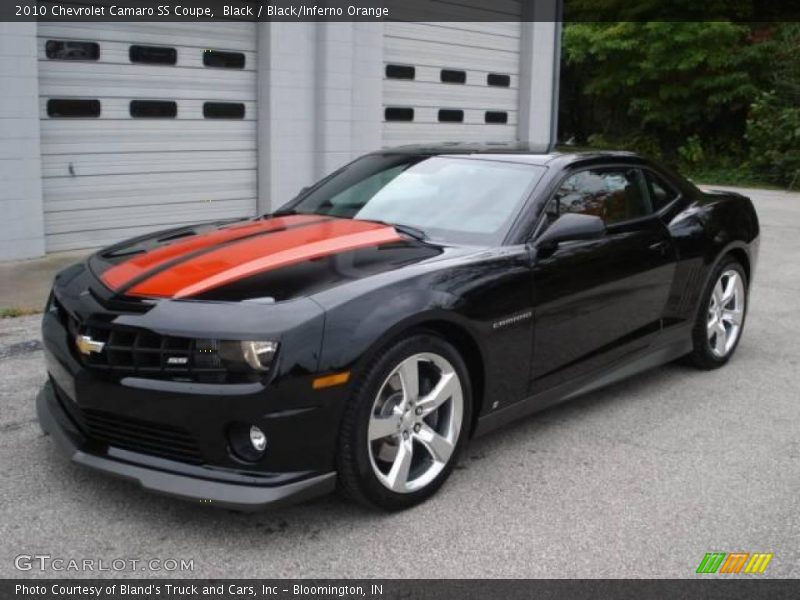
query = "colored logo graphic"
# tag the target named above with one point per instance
(734, 562)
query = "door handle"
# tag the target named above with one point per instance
(660, 247)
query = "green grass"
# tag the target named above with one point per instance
(13, 311)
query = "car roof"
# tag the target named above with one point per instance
(516, 151)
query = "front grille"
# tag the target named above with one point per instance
(139, 352)
(135, 435)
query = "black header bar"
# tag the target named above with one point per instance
(399, 10)
(396, 589)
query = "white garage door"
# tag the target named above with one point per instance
(455, 81)
(145, 126)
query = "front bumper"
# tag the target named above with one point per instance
(165, 476)
(172, 434)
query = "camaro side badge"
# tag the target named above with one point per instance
(87, 345)
(512, 320)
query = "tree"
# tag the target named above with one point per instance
(658, 83)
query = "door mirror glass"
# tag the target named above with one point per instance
(571, 227)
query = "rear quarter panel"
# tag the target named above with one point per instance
(707, 227)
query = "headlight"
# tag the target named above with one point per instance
(257, 355)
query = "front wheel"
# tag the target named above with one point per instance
(405, 426)
(720, 319)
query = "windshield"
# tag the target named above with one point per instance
(451, 199)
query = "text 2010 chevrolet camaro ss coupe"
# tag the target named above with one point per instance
(361, 334)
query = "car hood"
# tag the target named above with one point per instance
(264, 259)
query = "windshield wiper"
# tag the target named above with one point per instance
(414, 232)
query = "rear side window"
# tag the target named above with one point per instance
(613, 194)
(661, 193)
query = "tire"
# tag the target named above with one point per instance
(708, 353)
(385, 428)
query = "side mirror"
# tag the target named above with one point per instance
(571, 227)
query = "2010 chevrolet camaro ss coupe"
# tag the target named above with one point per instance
(358, 336)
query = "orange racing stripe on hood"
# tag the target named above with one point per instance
(248, 257)
(125, 273)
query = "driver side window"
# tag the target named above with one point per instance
(613, 194)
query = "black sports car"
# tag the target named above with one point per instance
(362, 333)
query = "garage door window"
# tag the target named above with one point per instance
(451, 76)
(223, 110)
(498, 80)
(153, 55)
(64, 50)
(223, 60)
(400, 72)
(153, 109)
(447, 115)
(399, 114)
(71, 108)
(496, 116)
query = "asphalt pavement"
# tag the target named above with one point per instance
(640, 479)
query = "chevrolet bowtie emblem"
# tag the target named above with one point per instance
(87, 345)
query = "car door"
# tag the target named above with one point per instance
(597, 300)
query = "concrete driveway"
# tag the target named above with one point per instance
(638, 480)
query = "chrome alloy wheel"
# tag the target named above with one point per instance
(415, 422)
(725, 313)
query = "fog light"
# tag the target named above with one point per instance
(247, 442)
(258, 439)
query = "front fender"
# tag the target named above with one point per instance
(354, 331)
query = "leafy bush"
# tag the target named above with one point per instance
(639, 143)
(691, 152)
(773, 131)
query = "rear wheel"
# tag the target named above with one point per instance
(720, 319)
(405, 426)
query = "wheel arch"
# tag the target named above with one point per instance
(738, 250)
(741, 255)
(458, 334)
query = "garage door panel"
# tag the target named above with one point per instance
(416, 94)
(218, 35)
(87, 136)
(58, 242)
(143, 216)
(118, 53)
(420, 133)
(430, 116)
(85, 79)
(108, 163)
(477, 111)
(508, 29)
(442, 54)
(105, 191)
(461, 37)
(423, 74)
(114, 176)
(119, 109)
